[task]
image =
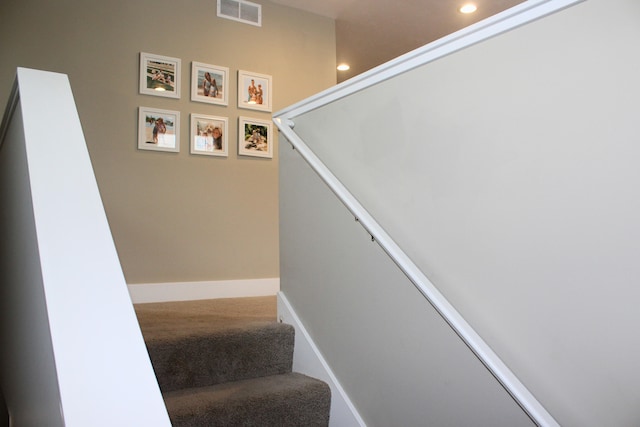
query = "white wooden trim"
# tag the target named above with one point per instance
(308, 360)
(187, 291)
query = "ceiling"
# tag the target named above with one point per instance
(372, 32)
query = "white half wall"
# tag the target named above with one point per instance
(63, 275)
(508, 172)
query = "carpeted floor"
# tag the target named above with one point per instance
(168, 319)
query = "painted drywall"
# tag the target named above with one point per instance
(508, 173)
(174, 217)
(29, 370)
(397, 360)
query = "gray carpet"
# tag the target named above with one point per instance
(227, 362)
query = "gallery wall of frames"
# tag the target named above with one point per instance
(159, 129)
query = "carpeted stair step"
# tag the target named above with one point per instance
(228, 363)
(200, 357)
(280, 400)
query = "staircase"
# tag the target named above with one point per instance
(229, 363)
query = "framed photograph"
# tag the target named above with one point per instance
(209, 135)
(158, 130)
(159, 75)
(254, 91)
(209, 83)
(254, 137)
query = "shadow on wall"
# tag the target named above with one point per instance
(4, 414)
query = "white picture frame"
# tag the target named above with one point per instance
(209, 83)
(158, 130)
(254, 91)
(159, 75)
(209, 135)
(255, 137)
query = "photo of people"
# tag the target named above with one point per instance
(209, 83)
(161, 76)
(254, 91)
(158, 129)
(255, 138)
(208, 135)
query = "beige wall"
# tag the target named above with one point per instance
(174, 217)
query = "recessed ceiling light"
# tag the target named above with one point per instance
(343, 67)
(468, 8)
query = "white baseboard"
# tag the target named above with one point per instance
(308, 360)
(187, 291)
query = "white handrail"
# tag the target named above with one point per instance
(512, 18)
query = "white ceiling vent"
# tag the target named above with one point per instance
(241, 10)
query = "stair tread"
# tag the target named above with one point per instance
(288, 399)
(231, 354)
